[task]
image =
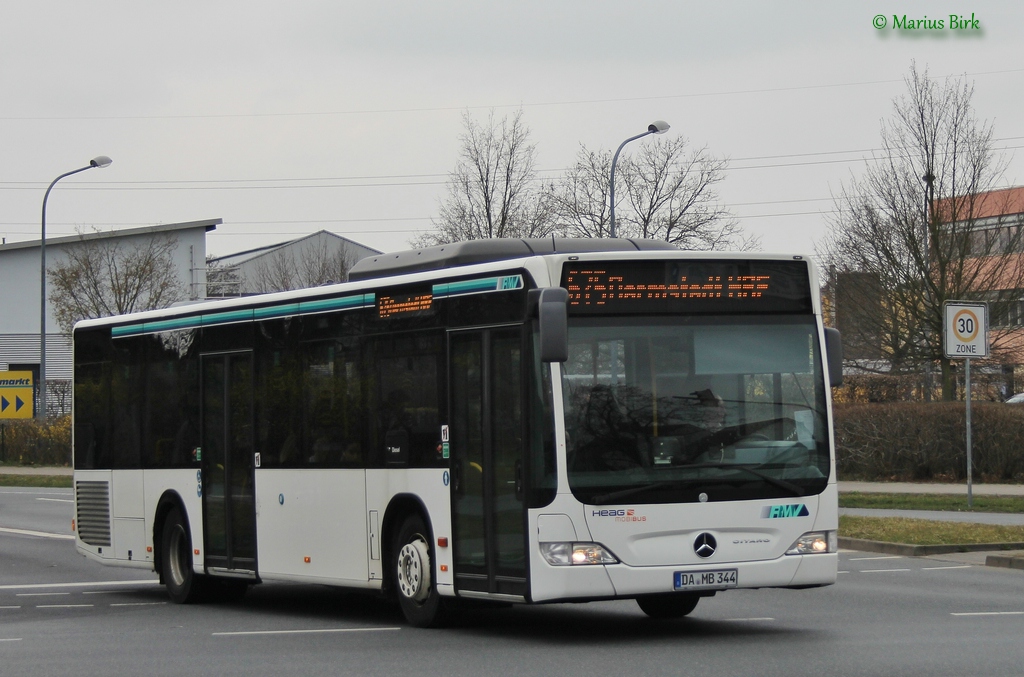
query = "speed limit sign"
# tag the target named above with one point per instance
(966, 329)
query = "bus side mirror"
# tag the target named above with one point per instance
(834, 352)
(553, 313)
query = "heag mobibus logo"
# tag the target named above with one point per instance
(620, 515)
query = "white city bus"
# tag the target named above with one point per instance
(506, 420)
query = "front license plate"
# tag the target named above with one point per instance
(716, 579)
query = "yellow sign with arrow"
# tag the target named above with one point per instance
(16, 394)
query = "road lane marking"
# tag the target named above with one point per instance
(41, 594)
(83, 584)
(12, 639)
(10, 607)
(300, 632)
(881, 571)
(39, 534)
(138, 603)
(960, 566)
(861, 559)
(57, 500)
(842, 572)
(63, 606)
(989, 613)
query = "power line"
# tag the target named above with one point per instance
(433, 109)
(260, 184)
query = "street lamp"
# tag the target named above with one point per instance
(100, 161)
(656, 127)
(929, 213)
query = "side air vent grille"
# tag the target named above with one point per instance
(93, 512)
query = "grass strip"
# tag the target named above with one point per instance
(48, 481)
(946, 502)
(926, 532)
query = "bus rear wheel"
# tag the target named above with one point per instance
(668, 606)
(184, 585)
(413, 575)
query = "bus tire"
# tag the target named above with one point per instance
(668, 606)
(184, 585)
(413, 575)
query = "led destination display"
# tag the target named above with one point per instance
(404, 305)
(617, 287)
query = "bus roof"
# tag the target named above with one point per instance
(494, 249)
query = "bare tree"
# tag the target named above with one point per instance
(317, 263)
(492, 192)
(669, 195)
(581, 201)
(99, 278)
(920, 223)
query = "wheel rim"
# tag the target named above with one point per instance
(414, 570)
(177, 555)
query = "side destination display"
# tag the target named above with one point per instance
(650, 287)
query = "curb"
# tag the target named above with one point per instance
(1007, 561)
(907, 550)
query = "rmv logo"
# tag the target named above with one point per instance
(779, 511)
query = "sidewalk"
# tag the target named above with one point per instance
(932, 488)
(1012, 559)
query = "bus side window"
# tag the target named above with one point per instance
(408, 384)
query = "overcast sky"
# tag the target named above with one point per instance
(286, 118)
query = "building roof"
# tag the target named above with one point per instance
(1004, 202)
(249, 254)
(208, 224)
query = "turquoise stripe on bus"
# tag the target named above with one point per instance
(344, 303)
(276, 311)
(247, 315)
(227, 318)
(487, 284)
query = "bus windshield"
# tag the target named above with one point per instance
(700, 408)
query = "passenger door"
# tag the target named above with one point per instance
(229, 508)
(486, 433)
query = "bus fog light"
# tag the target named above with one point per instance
(562, 554)
(814, 542)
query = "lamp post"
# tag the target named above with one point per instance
(656, 127)
(100, 161)
(929, 195)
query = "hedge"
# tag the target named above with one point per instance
(914, 441)
(33, 443)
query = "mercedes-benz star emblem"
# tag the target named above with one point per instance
(705, 545)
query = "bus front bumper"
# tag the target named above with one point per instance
(552, 583)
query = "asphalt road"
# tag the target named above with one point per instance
(63, 615)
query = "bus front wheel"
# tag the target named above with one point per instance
(668, 606)
(184, 585)
(413, 575)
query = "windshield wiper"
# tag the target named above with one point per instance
(630, 491)
(616, 496)
(774, 481)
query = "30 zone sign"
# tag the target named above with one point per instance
(966, 329)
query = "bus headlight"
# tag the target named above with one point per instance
(564, 554)
(814, 542)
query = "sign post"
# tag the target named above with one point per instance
(965, 334)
